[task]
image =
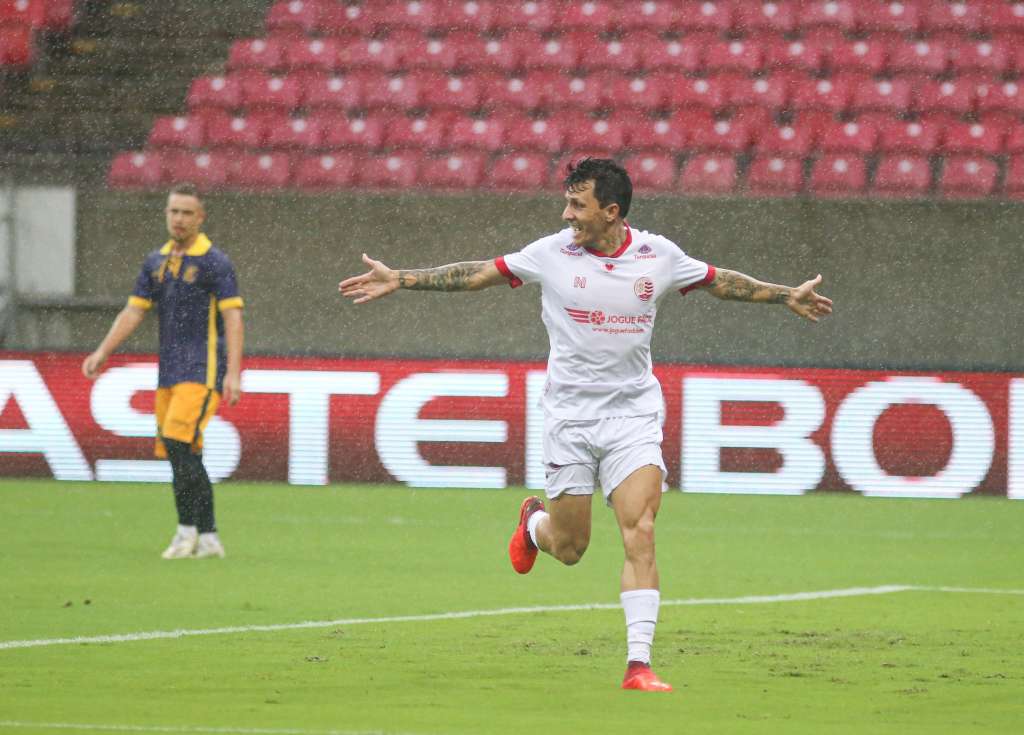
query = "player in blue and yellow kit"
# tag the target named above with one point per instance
(193, 286)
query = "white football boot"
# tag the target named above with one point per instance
(208, 545)
(183, 544)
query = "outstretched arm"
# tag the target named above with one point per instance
(803, 300)
(124, 324)
(381, 280)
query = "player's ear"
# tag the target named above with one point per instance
(611, 212)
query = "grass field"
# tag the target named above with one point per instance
(386, 564)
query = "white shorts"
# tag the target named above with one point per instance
(581, 454)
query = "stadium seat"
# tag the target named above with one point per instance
(974, 138)
(656, 133)
(334, 170)
(903, 175)
(17, 46)
(504, 53)
(317, 54)
(332, 91)
(755, 118)
(733, 136)
(778, 17)
(207, 170)
(225, 131)
(530, 133)
(369, 52)
(223, 92)
(990, 55)
(431, 52)
(733, 55)
(947, 95)
(561, 53)
(1005, 17)
(921, 137)
(922, 56)
(30, 13)
(831, 94)
(294, 132)
(708, 173)
(391, 91)
(455, 170)
(538, 17)
(642, 93)
(177, 132)
(396, 170)
(968, 177)
(449, 91)
(804, 54)
(891, 95)
(1014, 184)
(609, 133)
(660, 16)
(137, 170)
(709, 93)
(264, 92)
(427, 131)
(833, 13)
(770, 91)
(997, 96)
(838, 175)
(596, 53)
(294, 16)
(351, 131)
(469, 131)
(775, 176)
(652, 170)
(519, 171)
(469, 15)
(584, 92)
(259, 171)
(717, 16)
(264, 54)
(854, 136)
(962, 17)
(598, 15)
(1015, 139)
(680, 55)
(350, 19)
(795, 140)
(417, 15)
(893, 16)
(868, 55)
(521, 91)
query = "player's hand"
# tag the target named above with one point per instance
(92, 365)
(806, 302)
(380, 281)
(232, 389)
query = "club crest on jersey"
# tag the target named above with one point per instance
(645, 252)
(573, 250)
(609, 266)
(643, 288)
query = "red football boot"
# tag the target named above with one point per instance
(639, 676)
(521, 550)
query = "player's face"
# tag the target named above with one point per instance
(184, 217)
(585, 216)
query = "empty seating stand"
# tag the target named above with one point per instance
(793, 97)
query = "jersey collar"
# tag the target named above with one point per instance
(625, 245)
(199, 247)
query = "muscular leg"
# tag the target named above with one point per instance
(636, 501)
(565, 532)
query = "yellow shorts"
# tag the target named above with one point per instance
(182, 413)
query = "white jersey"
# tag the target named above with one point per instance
(599, 312)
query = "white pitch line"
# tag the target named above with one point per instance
(745, 600)
(186, 729)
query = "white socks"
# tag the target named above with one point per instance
(641, 608)
(187, 531)
(533, 522)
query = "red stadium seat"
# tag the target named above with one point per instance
(949, 95)
(668, 135)
(263, 92)
(962, 17)
(796, 140)
(527, 133)
(835, 13)
(643, 93)
(652, 171)
(520, 171)
(428, 131)
(396, 170)
(348, 20)
(561, 53)
(17, 46)
(30, 13)
(397, 91)
(922, 56)
(974, 138)
(259, 171)
(137, 170)
(622, 55)
(477, 132)
(504, 54)
(863, 54)
(855, 136)
(888, 17)
(369, 52)
(701, 15)
(680, 55)
(469, 15)
(215, 92)
(660, 16)
(208, 171)
(317, 54)
(450, 91)
(431, 52)
(610, 133)
(733, 136)
(805, 54)
(332, 91)
(418, 15)
(60, 15)
(265, 54)
(538, 17)
(922, 137)
(1014, 184)
(779, 17)
(735, 55)
(832, 94)
(708, 173)
(345, 131)
(996, 96)
(710, 93)
(598, 15)
(177, 132)
(991, 56)
(584, 92)
(335, 170)
(890, 95)
(522, 92)
(456, 170)
(903, 176)
(235, 132)
(294, 16)
(775, 176)
(294, 132)
(770, 92)
(1005, 17)
(755, 118)
(838, 175)
(1015, 139)
(968, 177)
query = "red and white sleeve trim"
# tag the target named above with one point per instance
(503, 268)
(705, 281)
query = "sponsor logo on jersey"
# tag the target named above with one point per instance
(598, 318)
(643, 288)
(573, 250)
(645, 253)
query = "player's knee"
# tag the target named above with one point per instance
(571, 550)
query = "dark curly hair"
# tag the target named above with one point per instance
(611, 182)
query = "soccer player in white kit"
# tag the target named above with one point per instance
(601, 281)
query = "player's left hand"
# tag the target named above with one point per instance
(378, 282)
(232, 389)
(806, 302)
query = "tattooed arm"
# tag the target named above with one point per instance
(381, 280)
(802, 300)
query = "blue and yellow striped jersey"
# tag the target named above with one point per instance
(190, 292)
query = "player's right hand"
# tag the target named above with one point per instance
(92, 365)
(379, 281)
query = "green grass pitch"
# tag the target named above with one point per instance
(82, 560)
